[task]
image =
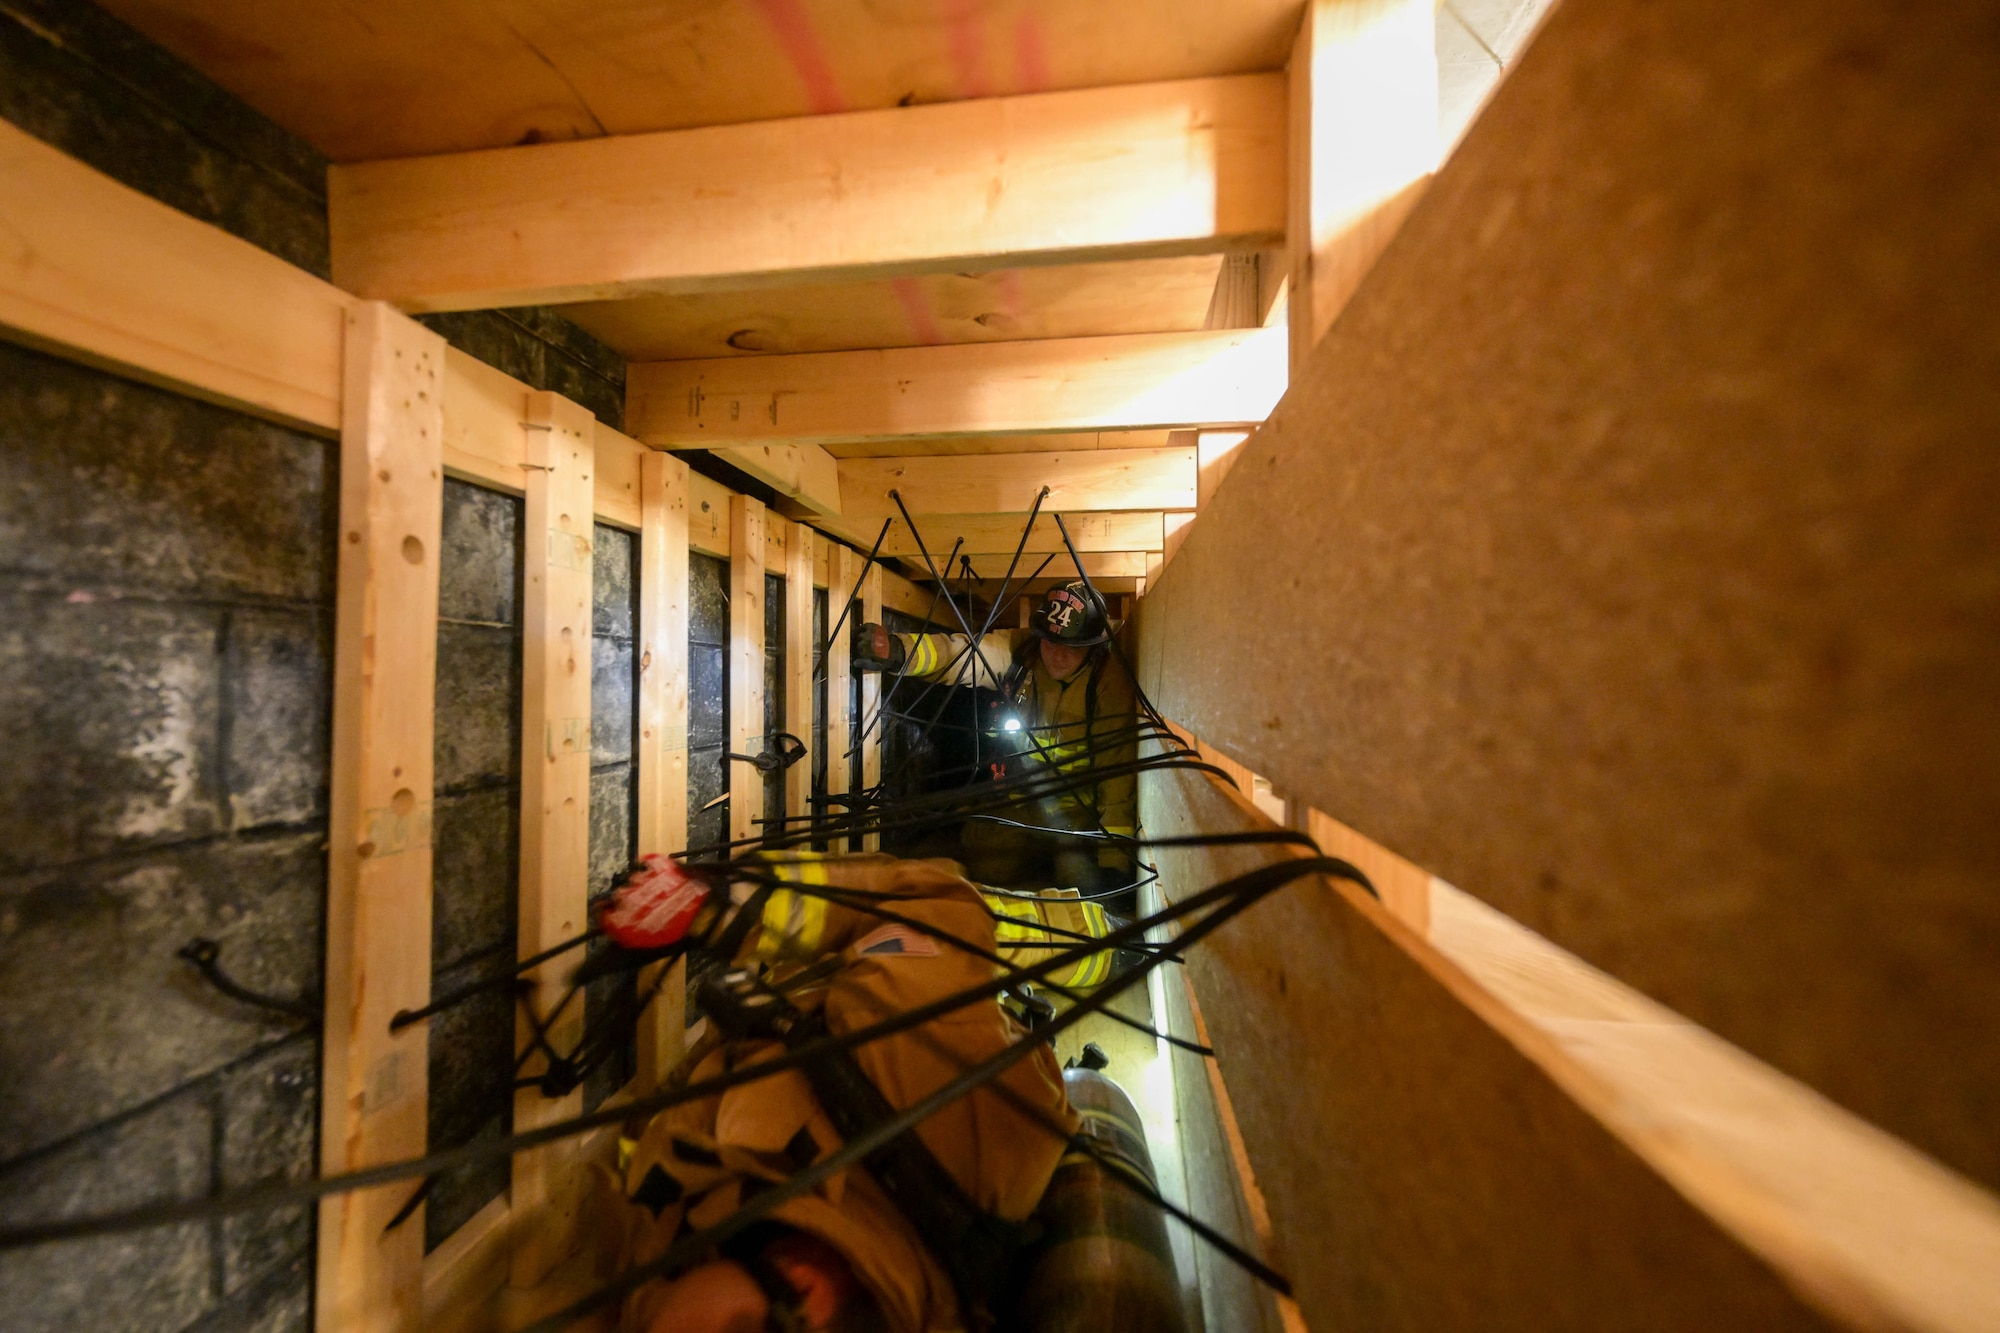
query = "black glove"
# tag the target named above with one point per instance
(876, 649)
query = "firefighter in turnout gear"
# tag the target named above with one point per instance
(922, 1242)
(1067, 704)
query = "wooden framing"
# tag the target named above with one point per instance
(1625, 1120)
(804, 473)
(1363, 144)
(1102, 479)
(799, 663)
(1189, 167)
(841, 572)
(1136, 381)
(1000, 534)
(555, 796)
(663, 724)
(379, 831)
(871, 702)
(101, 273)
(746, 664)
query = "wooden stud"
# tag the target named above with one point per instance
(746, 664)
(841, 572)
(1137, 381)
(1363, 145)
(101, 273)
(1106, 479)
(378, 949)
(871, 702)
(1188, 167)
(663, 724)
(799, 664)
(555, 798)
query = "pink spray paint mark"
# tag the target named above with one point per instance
(794, 31)
(1031, 56)
(967, 41)
(917, 311)
(1012, 303)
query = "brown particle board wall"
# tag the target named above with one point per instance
(1634, 532)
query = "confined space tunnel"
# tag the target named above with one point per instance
(1532, 862)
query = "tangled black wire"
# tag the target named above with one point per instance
(758, 861)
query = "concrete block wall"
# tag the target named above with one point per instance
(614, 777)
(774, 697)
(165, 642)
(708, 699)
(166, 580)
(476, 833)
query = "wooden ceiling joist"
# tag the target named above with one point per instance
(1000, 534)
(1190, 167)
(1107, 479)
(1133, 382)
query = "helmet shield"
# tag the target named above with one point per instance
(1072, 616)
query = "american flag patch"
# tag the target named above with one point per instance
(895, 938)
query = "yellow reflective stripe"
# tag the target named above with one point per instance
(921, 653)
(1022, 919)
(794, 924)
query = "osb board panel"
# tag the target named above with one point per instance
(1422, 1173)
(1636, 538)
(377, 78)
(1006, 305)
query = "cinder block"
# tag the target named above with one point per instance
(278, 712)
(611, 1005)
(75, 77)
(112, 485)
(774, 611)
(614, 701)
(475, 874)
(478, 738)
(98, 1016)
(479, 572)
(707, 779)
(493, 338)
(136, 1283)
(614, 582)
(613, 793)
(471, 1059)
(279, 1301)
(111, 711)
(708, 695)
(708, 599)
(270, 1110)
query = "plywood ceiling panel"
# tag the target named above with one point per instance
(369, 79)
(1007, 444)
(1070, 301)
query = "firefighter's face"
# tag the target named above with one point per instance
(1061, 659)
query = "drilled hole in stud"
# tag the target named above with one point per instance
(413, 550)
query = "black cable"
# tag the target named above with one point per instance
(703, 1242)
(260, 1197)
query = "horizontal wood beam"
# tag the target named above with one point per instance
(1189, 167)
(1143, 381)
(1059, 568)
(997, 534)
(92, 270)
(1109, 479)
(802, 472)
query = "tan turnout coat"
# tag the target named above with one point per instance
(709, 1152)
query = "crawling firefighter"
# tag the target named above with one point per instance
(1067, 706)
(925, 1236)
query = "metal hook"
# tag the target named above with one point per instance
(204, 954)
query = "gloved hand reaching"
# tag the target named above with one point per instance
(876, 649)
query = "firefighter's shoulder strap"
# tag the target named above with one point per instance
(976, 1248)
